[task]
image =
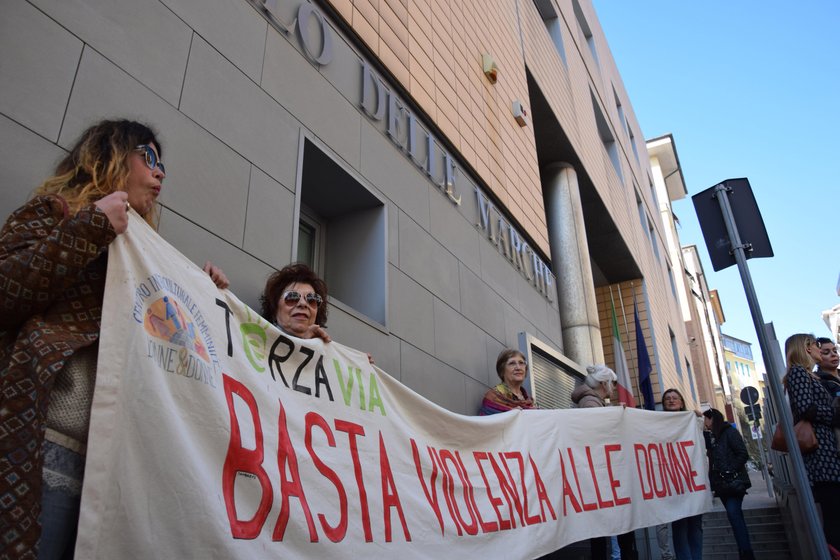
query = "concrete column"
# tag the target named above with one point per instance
(571, 265)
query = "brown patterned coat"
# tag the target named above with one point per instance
(52, 281)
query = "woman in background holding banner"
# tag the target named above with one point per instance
(53, 262)
(728, 475)
(592, 393)
(687, 533)
(809, 400)
(512, 368)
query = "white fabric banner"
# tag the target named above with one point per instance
(214, 435)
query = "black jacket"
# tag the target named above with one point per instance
(727, 457)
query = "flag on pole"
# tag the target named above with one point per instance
(625, 395)
(643, 360)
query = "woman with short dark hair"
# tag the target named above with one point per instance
(295, 299)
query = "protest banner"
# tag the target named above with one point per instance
(216, 435)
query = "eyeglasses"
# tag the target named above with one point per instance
(292, 297)
(672, 398)
(152, 159)
(514, 363)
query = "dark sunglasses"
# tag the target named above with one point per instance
(292, 297)
(151, 157)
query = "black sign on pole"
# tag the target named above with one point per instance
(749, 395)
(747, 217)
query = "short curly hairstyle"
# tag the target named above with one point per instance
(276, 284)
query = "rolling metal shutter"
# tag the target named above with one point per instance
(551, 384)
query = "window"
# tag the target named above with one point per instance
(342, 234)
(691, 380)
(653, 193)
(654, 242)
(671, 280)
(632, 141)
(606, 135)
(676, 354)
(586, 31)
(621, 118)
(642, 214)
(552, 24)
(311, 233)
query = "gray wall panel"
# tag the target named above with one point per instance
(222, 99)
(457, 234)
(428, 262)
(27, 160)
(143, 37)
(38, 61)
(233, 28)
(297, 86)
(412, 313)
(460, 343)
(397, 178)
(270, 220)
(475, 304)
(433, 379)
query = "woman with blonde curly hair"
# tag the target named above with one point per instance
(53, 260)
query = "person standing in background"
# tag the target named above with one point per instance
(512, 368)
(592, 393)
(687, 532)
(825, 355)
(727, 464)
(809, 400)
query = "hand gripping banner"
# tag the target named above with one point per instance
(216, 435)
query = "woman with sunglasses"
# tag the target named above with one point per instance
(53, 260)
(295, 300)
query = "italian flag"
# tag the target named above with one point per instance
(625, 395)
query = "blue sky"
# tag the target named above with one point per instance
(748, 89)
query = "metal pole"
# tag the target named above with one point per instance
(764, 459)
(627, 335)
(800, 479)
(764, 472)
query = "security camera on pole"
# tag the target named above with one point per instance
(727, 211)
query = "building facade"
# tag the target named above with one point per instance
(740, 369)
(705, 317)
(464, 179)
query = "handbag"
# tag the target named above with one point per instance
(805, 437)
(730, 484)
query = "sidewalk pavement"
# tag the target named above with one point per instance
(757, 496)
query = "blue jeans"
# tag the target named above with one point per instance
(688, 537)
(60, 501)
(736, 519)
(59, 519)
